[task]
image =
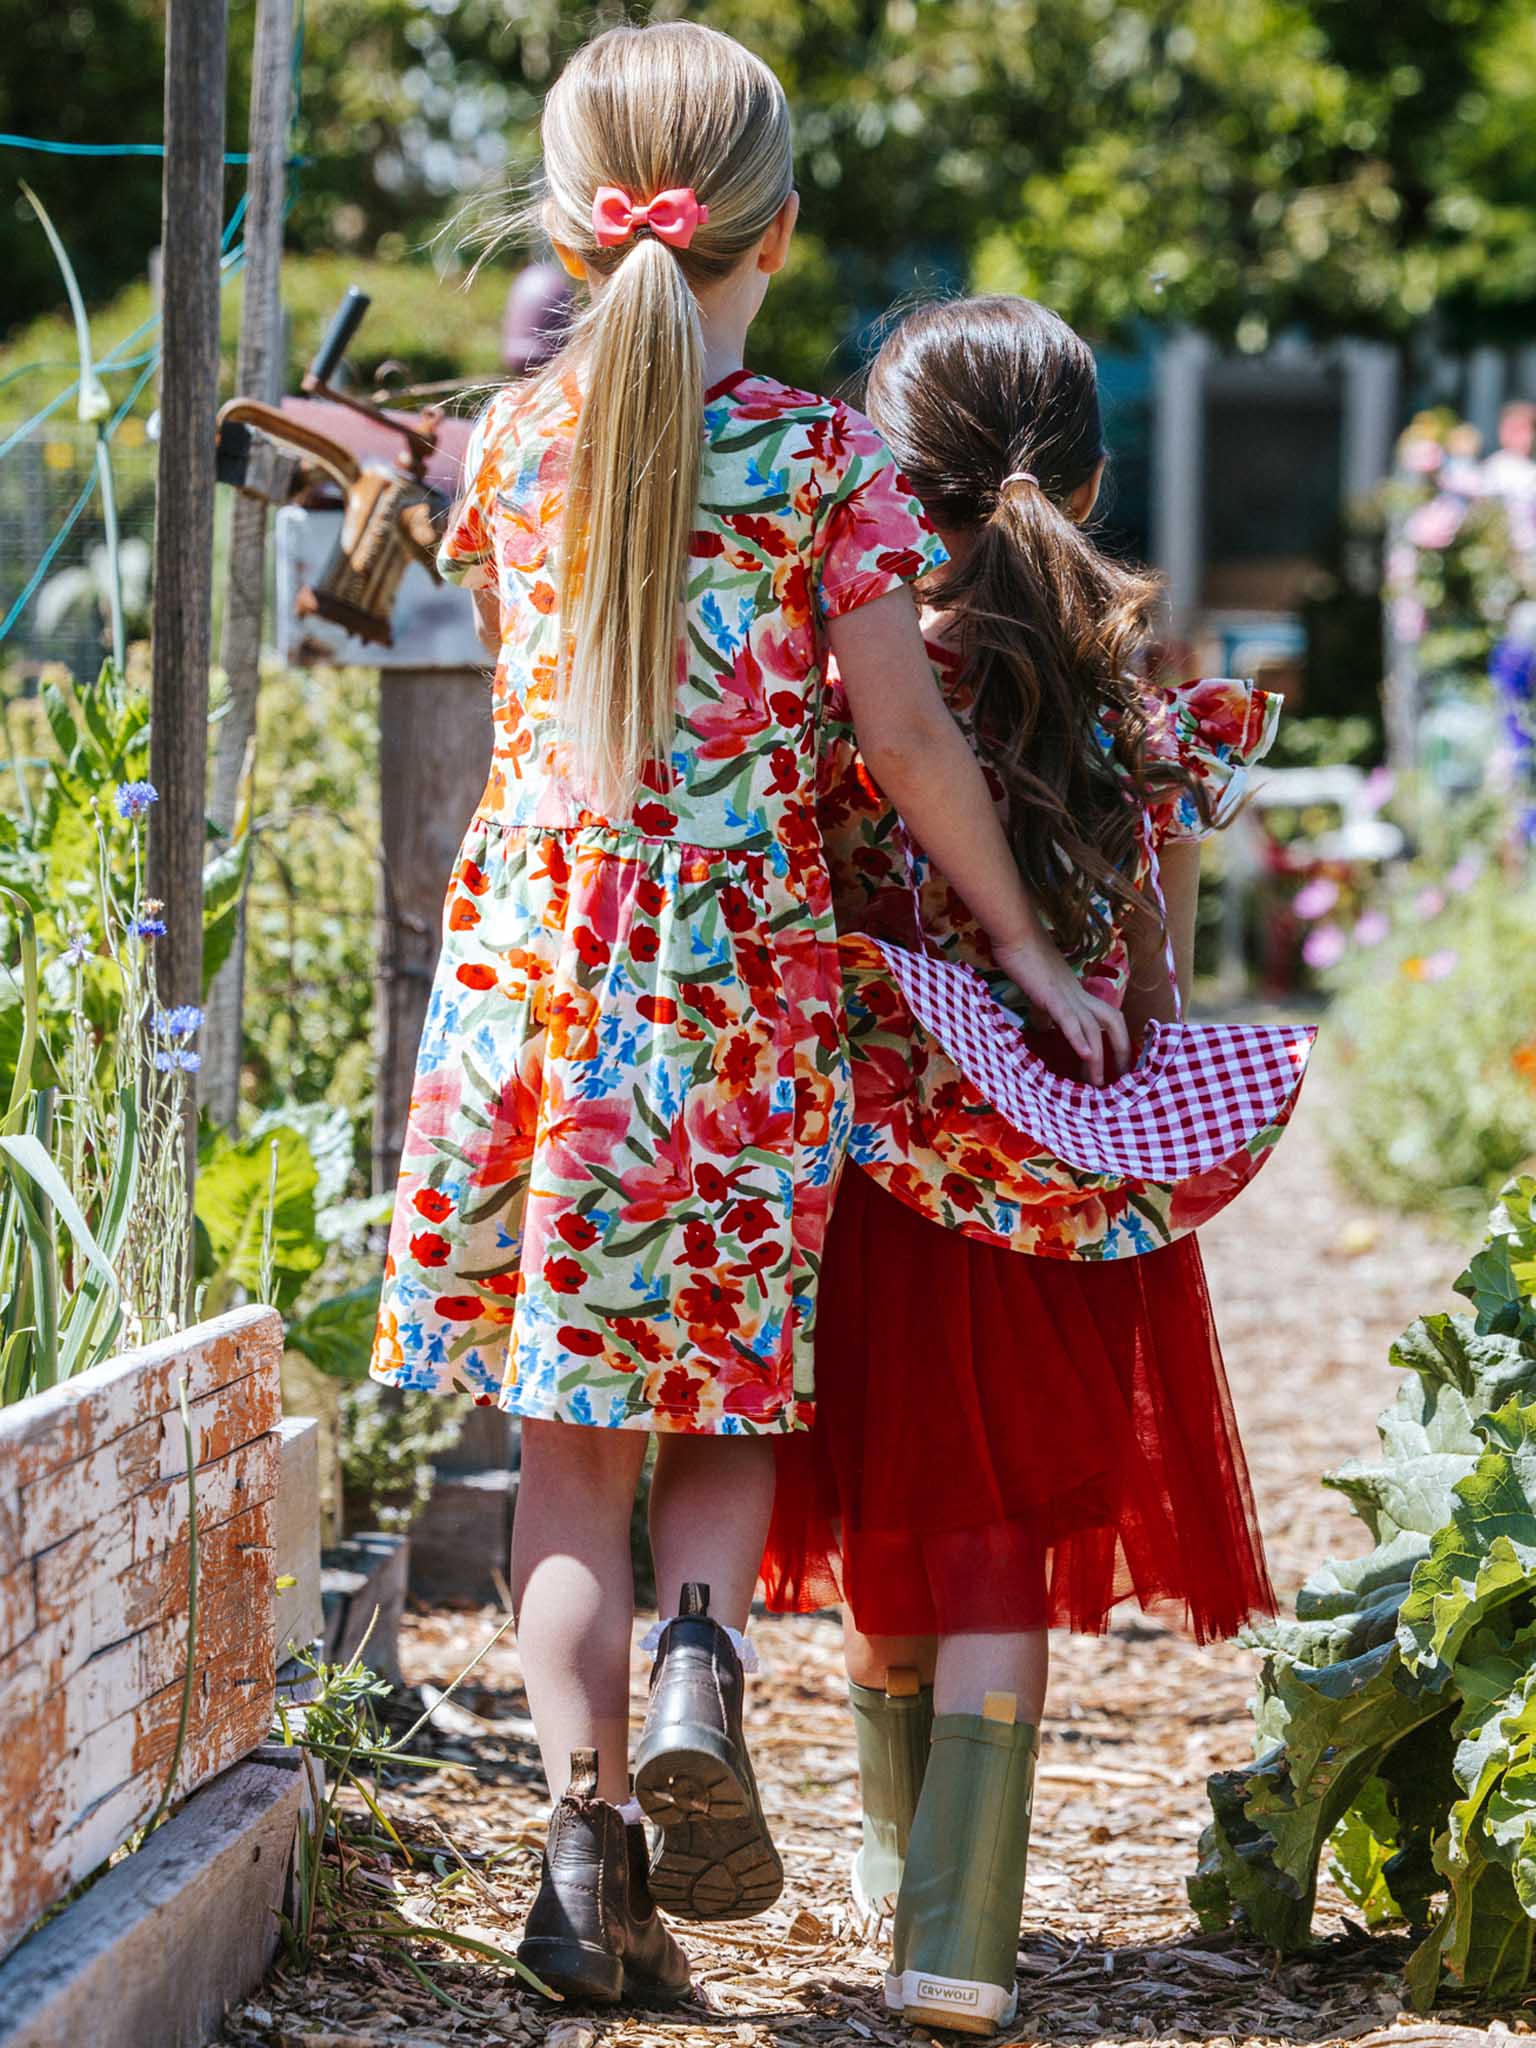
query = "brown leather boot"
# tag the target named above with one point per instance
(694, 1778)
(593, 1930)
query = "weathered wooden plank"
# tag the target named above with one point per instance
(153, 1522)
(18, 1606)
(235, 1574)
(75, 1419)
(296, 1537)
(363, 1582)
(11, 1552)
(93, 1610)
(157, 1948)
(79, 1789)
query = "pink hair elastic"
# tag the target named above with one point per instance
(1020, 476)
(671, 216)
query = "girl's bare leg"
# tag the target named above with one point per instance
(962, 1669)
(711, 1497)
(971, 1666)
(574, 1591)
(870, 1658)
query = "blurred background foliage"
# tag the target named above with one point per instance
(1241, 165)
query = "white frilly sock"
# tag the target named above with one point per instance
(744, 1647)
(631, 1812)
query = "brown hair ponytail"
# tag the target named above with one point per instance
(991, 407)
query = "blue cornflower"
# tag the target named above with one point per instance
(176, 1058)
(148, 927)
(181, 1022)
(135, 798)
(78, 951)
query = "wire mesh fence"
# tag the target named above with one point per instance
(40, 480)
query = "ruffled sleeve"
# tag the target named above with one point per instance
(1217, 729)
(467, 551)
(871, 533)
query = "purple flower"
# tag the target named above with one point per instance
(1380, 786)
(1436, 966)
(135, 798)
(1463, 876)
(1513, 667)
(1316, 898)
(1429, 902)
(175, 1059)
(78, 951)
(181, 1022)
(1371, 927)
(1325, 947)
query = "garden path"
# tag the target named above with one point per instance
(1311, 1287)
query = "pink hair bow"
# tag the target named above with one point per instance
(671, 216)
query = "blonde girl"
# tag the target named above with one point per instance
(632, 1101)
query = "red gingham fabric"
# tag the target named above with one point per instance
(1196, 1096)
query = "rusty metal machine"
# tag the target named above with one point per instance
(390, 472)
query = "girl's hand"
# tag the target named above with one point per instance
(1088, 1025)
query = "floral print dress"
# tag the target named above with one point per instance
(921, 1130)
(632, 1099)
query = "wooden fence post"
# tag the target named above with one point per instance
(258, 374)
(191, 209)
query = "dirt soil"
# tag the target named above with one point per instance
(1310, 1288)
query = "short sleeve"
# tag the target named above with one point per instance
(1217, 730)
(467, 551)
(872, 534)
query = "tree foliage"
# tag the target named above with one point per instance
(1242, 164)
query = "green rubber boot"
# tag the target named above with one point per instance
(893, 1726)
(956, 1938)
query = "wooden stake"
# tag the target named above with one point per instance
(190, 217)
(258, 374)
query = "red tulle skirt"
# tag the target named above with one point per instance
(1004, 1442)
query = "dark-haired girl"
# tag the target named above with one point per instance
(1007, 1443)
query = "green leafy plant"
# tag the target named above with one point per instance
(1396, 1714)
(1434, 1020)
(335, 1721)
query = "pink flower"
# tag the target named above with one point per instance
(1325, 947)
(1436, 966)
(1429, 902)
(1401, 563)
(1371, 927)
(1420, 456)
(1380, 786)
(1408, 619)
(1465, 873)
(1435, 525)
(1316, 898)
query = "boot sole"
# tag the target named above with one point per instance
(717, 1861)
(959, 2005)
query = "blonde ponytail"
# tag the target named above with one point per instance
(629, 510)
(647, 110)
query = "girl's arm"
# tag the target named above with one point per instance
(1150, 993)
(920, 758)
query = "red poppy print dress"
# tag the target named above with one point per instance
(632, 1099)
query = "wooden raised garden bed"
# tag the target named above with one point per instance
(94, 1527)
